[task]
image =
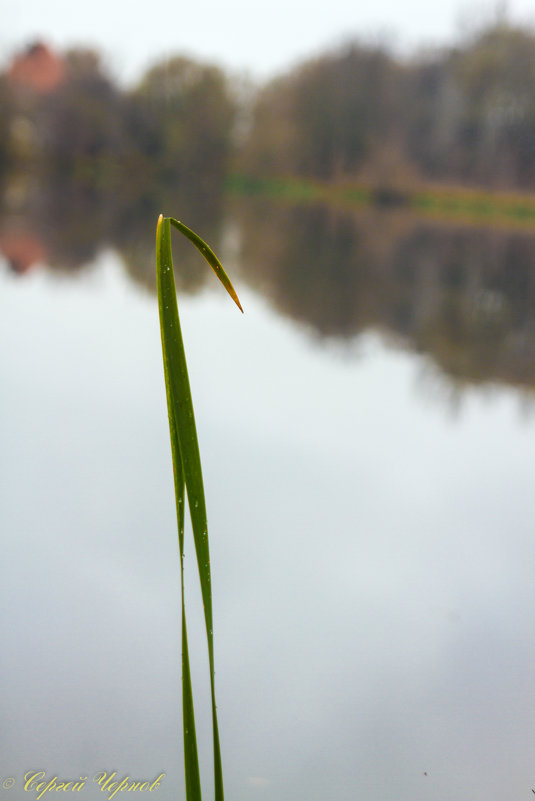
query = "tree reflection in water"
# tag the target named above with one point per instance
(461, 294)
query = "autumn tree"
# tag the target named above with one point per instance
(81, 132)
(495, 76)
(181, 119)
(326, 117)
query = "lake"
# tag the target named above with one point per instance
(367, 433)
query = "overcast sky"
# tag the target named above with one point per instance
(261, 37)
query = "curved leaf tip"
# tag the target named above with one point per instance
(209, 256)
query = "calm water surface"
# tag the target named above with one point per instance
(371, 522)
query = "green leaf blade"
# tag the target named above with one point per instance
(187, 471)
(210, 257)
(176, 371)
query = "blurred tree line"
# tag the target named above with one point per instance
(92, 164)
(108, 147)
(464, 114)
(86, 165)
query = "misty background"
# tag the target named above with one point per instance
(366, 428)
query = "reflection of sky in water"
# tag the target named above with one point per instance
(371, 552)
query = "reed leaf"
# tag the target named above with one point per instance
(210, 257)
(188, 476)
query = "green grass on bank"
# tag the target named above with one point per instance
(469, 206)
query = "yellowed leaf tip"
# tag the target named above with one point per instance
(237, 302)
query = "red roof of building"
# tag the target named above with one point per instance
(38, 69)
